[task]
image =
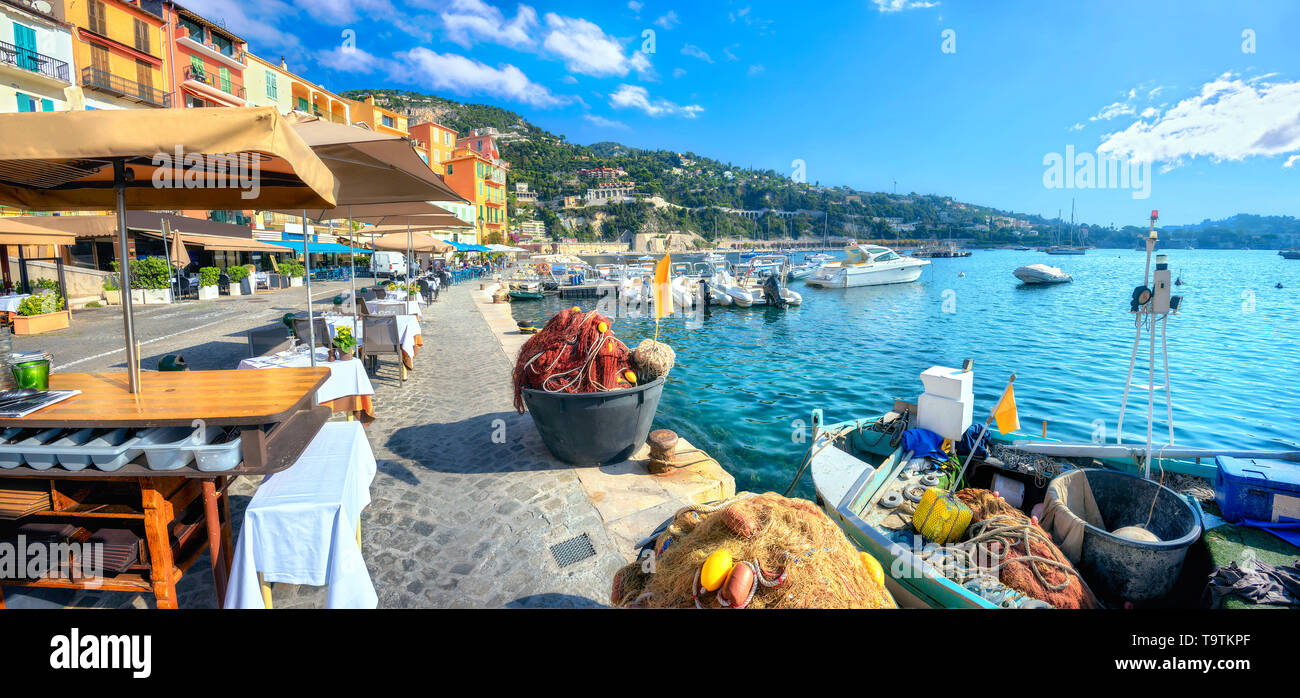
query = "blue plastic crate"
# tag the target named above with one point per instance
(1257, 489)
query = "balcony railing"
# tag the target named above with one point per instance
(28, 59)
(227, 86)
(230, 52)
(107, 82)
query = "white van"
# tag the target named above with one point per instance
(388, 264)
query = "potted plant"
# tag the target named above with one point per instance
(344, 343)
(40, 313)
(294, 271)
(150, 280)
(112, 290)
(237, 276)
(208, 277)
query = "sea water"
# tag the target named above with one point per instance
(747, 379)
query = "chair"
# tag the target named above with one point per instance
(426, 290)
(381, 338)
(363, 310)
(300, 331)
(187, 289)
(223, 282)
(381, 293)
(268, 341)
(368, 294)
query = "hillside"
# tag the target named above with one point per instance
(691, 184)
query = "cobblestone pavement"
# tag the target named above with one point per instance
(467, 501)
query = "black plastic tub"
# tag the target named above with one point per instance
(1129, 569)
(594, 428)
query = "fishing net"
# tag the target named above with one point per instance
(575, 352)
(796, 556)
(1028, 561)
(655, 359)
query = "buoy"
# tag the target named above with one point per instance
(576, 309)
(873, 568)
(630, 376)
(739, 586)
(715, 570)
(602, 327)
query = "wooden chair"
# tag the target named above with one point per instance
(381, 338)
(267, 341)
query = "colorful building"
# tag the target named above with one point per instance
(206, 63)
(482, 141)
(274, 85)
(483, 182)
(436, 143)
(35, 57)
(378, 118)
(119, 51)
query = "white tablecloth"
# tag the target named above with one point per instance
(406, 307)
(300, 527)
(408, 328)
(9, 304)
(346, 377)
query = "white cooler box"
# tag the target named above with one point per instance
(943, 416)
(950, 383)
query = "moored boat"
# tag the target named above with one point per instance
(867, 265)
(1041, 274)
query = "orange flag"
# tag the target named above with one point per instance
(663, 294)
(1005, 414)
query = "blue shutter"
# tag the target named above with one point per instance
(47, 105)
(25, 40)
(24, 103)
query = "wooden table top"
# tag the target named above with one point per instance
(177, 398)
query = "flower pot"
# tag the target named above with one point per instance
(36, 324)
(153, 296)
(343, 355)
(234, 288)
(207, 293)
(594, 428)
(113, 296)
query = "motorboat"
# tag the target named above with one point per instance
(867, 265)
(1041, 274)
(1066, 250)
(1290, 254)
(819, 258)
(764, 279)
(526, 290)
(723, 282)
(802, 271)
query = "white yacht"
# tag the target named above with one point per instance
(867, 265)
(1041, 274)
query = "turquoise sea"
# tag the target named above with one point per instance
(746, 380)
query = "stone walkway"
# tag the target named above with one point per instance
(467, 501)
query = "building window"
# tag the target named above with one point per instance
(387, 120)
(272, 87)
(98, 23)
(99, 58)
(142, 36)
(195, 30)
(143, 74)
(449, 168)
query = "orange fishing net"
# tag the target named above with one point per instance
(575, 353)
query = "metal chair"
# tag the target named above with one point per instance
(300, 331)
(268, 341)
(187, 289)
(426, 290)
(367, 294)
(381, 338)
(381, 293)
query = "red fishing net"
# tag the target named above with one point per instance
(575, 353)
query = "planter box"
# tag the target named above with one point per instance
(207, 293)
(236, 288)
(151, 296)
(36, 324)
(295, 281)
(113, 297)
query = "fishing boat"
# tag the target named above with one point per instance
(1290, 254)
(764, 279)
(865, 265)
(526, 291)
(1041, 274)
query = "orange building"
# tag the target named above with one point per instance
(378, 118)
(483, 182)
(436, 143)
(118, 47)
(206, 62)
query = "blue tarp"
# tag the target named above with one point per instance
(321, 247)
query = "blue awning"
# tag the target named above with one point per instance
(468, 247)
(321, 247)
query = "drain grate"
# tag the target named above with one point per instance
(573, 550)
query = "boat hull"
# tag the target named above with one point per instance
(848, 277)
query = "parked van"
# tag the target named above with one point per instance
(388, 264)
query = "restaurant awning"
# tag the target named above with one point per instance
(14, 232)
(65, 160)
(418, 242)
(228, 244)
(322, 247)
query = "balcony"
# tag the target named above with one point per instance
(200, 77)
(32, 61)
(230, 56)
(105, 81)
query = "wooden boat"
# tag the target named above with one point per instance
(527, 291)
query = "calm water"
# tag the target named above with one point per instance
(743, 379)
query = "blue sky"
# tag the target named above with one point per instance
(956, 97)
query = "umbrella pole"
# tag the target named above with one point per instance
(408, 259)
(306, 260)
(171, 280)
(128, 321)
(352, 264)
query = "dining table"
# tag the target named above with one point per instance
(9, 303)
(408, 333)
(347, 390)
(411, 307)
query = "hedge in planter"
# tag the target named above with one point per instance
(40, 313)
(237, 275)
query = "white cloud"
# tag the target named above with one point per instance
(1076, 127)
(1291, 161)
(1230, 119)
(678, 72)
(899, 5)
(1149, 112)
(349, 60)
(468, 21)
(636, 97)
(727, 52)
(449, 71)
(696, 52)
(635, 6)
(255, 22)
(603, 122)
(585, 48)
(1111, 111)
(569, 80)
(668, 21)
(756, 69)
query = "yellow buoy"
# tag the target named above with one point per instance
(576, 309)
(602, 328)
(630, 376)
(873, 568)
(715, 570)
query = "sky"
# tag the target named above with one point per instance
(1000, 103)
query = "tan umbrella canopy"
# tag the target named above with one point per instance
(14, 232)
(179, 257)
(417, 242)
(157, 159)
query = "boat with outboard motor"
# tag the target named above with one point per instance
(1041, 274)
(764, 279)
(867, 265)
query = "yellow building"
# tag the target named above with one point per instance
(118, 50)
(270, 84)
(378, 118)
(482, 181)
(436, 144)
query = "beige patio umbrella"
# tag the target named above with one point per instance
(234, 158)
